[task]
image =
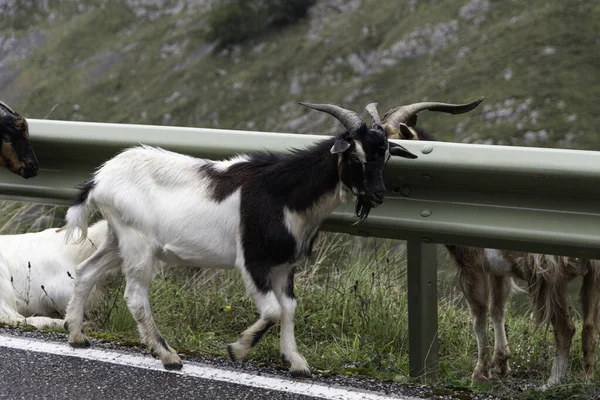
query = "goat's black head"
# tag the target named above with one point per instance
(17, 155)
(400, 122)
(362, 155)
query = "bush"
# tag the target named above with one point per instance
(234, 21)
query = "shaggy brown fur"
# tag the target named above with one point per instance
(486, 279)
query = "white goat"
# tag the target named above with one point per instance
(35, 286)
(259, 213)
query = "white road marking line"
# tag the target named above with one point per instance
(196, 370)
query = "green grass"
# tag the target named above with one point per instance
(351, 316)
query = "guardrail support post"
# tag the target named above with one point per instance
(422, 309)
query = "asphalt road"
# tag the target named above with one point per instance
(33, 375)
(37, 365)
(34, 367)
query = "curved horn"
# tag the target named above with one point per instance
(7, 108)
(407, 114)
(351, 120)
(372, 109)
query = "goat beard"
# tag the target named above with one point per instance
(363, 207)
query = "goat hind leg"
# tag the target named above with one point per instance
(88, 273)
(500, 287)
(563, 333)
(270, 314)
(283, 285)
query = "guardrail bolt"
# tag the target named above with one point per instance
(427, 149)
(405, 190)
(426, 240)
(426, 177)
(425, 212)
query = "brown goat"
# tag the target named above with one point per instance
(486, 278)
(16, 154)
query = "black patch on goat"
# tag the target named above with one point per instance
(425, 136)
(290, 284)
(84, 192)
(295, 180)
(161, 340)
(270, 183)
(259, 334)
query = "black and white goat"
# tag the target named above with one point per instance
(16, 155)
(259, 213)
(486, 279)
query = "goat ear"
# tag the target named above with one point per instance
(397, 150)
(407, 133)
(340, 146)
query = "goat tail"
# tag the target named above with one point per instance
(546, 275)
(78, 214)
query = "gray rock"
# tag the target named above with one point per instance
(548, 50)
(358, 64)
(154, 9)
(12, 48)
(535, 137)
(474, 10)
(425, 40)
(172, 97)
(324, 11)
(295, 87)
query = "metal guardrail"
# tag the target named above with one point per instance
(529, 199)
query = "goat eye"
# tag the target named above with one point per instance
(354, 158)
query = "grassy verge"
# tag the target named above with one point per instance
(351, 316)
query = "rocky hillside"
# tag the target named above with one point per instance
(148, 61)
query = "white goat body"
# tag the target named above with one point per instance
(22, 299)
(196, 232)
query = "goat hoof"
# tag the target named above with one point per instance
(497, 372)
(230, 353)
(174, 366)
(479, 377)
(78, 340)
(81, 345)
(236, 352)
(301, 373)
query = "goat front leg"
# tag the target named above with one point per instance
(474, 287)
(500, 287)
(590, 303)
(283, 284)
(563, 333)
(264, 299)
